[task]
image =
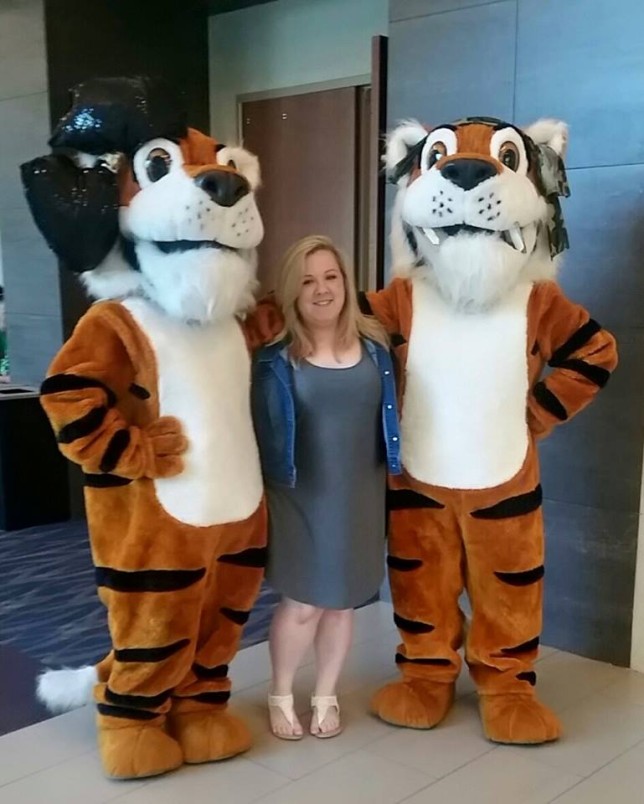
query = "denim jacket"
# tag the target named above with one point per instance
(274, 416)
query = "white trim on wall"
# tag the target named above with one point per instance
(637, 632)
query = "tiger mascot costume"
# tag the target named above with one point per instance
(474, 318)
(150, 395)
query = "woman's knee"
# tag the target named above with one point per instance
(303, 613)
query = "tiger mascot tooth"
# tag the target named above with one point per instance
(150, 395)
(474, 316)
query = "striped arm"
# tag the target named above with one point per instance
(81, 395)
(581, 354)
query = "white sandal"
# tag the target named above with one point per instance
(320, 704)
(285, 704)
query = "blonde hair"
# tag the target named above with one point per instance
(352, 323)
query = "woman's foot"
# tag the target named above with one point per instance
(325, 718)
(283, 720)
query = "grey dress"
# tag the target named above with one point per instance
(327, 534)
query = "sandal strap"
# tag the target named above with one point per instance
(322, 703)
(286, 706)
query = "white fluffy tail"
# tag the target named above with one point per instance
(62, 690)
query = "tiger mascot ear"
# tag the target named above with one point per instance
(552, 133)
(550, 138)
(404, 145)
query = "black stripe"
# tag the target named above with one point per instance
(253, 557)
(412, 626)
(137, 701)
(82, 427)
(402, 499)
(403, 564)
(237, 616)
(575, 342)
(549, 401)
(150, 654)
(596, 374)
(513, 506)
(412, 241)
(524, 647)
(408, 162)
(529, 675)
(147, 580)
(105, 481)
(121, 711)
(364, 304)
(524, 578)
(397, 339)
(400, 659)
(59, 383)
(139, 391)
(220, 671)
(119, 442)
(220, 697)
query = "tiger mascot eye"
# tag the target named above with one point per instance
(150, 395)
(474, 316)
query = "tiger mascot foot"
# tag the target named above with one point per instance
(207, 734)
(518, 719)
(134, 749)
(416, 704)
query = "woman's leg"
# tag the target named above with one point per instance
(292, 631)
(332, 644)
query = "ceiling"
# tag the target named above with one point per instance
(223, 6)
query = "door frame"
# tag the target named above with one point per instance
(301, 89)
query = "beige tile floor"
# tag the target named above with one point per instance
(599, 761)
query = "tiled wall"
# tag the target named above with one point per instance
(30, 272)
(581, 61)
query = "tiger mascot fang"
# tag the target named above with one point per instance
(150, 395)
(475, 316)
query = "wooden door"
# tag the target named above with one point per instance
(308, 151)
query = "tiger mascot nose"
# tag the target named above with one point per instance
(467, 173)
(224, 187)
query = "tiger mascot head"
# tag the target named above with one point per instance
(137, 203)
(477, 208)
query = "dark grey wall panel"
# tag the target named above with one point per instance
(590, 570)
(596, 459)
(36, 339)
(23, 135)
(31, 283)
(406, 9)
(435, 64)
(605, 220)
(583, 60)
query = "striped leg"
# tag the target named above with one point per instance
(425, 570)
(198, 719)
(153, 620)
(504, 546)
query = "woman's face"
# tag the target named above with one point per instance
(322, 292)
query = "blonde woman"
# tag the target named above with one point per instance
(325, 415)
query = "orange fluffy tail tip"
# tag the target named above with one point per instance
(66, 689)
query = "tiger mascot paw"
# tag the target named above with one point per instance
(518, 719)
(136, 750)
(206, 734)
(416, 704)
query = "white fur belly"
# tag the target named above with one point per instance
(464, 413)
(204, 379)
